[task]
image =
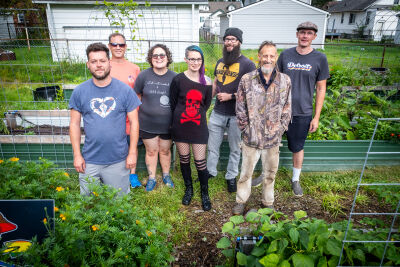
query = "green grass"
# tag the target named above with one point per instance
(35, 67)
(331, 189)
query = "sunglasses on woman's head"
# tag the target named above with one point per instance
(155, 56)
(117, 44)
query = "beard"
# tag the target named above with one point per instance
(231, 57)
(101, 77)
(267, 70)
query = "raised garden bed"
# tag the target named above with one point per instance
(319, 155)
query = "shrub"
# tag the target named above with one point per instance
(102, 229)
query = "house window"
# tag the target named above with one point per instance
(342, 18)
(396, 2)
(352, 18)
(201, 19)
(368, 17)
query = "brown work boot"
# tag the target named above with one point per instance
(238, 209)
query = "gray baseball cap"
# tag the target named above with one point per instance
(308, 25)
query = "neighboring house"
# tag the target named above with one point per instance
(373, 19)
(7, 27)
(209, 18)
(75, 24)
(397, 35)
(275, 20)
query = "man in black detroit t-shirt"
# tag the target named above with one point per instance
(228, 72)
(308, 69)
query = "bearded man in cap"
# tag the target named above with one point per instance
(308, 70)
(228, 72)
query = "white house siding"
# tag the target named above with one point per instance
(385, 24)
(7, 29)
(275, 20)
(335, 25)
(382, 22)
(397, 35)
(75, 26)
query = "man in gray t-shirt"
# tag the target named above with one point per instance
(104, 103)
(308, 70)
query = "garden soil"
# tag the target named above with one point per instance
(200, 247)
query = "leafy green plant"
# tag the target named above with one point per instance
(102, 229)
(302, 242)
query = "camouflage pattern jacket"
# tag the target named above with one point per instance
(263, 115)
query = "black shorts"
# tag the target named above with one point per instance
(297, 132)
(146, 135)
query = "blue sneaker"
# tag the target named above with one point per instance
(168, 181)
(151, 183)
(133, 178)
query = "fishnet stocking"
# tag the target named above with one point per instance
(199, 154)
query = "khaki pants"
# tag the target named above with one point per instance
(270, 163)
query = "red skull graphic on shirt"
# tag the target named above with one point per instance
(192, 110)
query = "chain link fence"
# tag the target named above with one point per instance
(38, 73)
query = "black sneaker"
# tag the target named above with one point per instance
(231, 184)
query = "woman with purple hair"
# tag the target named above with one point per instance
(190, 98)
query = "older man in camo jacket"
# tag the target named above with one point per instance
(263, 110)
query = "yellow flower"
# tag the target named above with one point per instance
(95, 227)
(62, 216)
(138, 222)
(251, 58)
(1, 161)
(121, 210)
(59, 188)
(44, 220)
(148, 233)
(205, 69)
(66, 174)
(14, 159)
(126, 256)
(94, 193)
(55, 209)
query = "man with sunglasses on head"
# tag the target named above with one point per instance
(126, 72)
(228, 72)
(308, 70)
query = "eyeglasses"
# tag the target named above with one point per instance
(194, 60)
(232, 40)
(161, 56)
(117, 44)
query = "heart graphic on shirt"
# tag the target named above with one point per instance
(103, 106)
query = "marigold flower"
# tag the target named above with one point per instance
(14, 159)
(62, 216)
(95, 227)
(44, 220)
(1, 161)
(121, 210)
(205, 69)
(251, 58)
(66, 174)
(94, 193)
(56, 209)
(148, 233)
(59, 188)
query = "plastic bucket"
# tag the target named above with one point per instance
(48, 93)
